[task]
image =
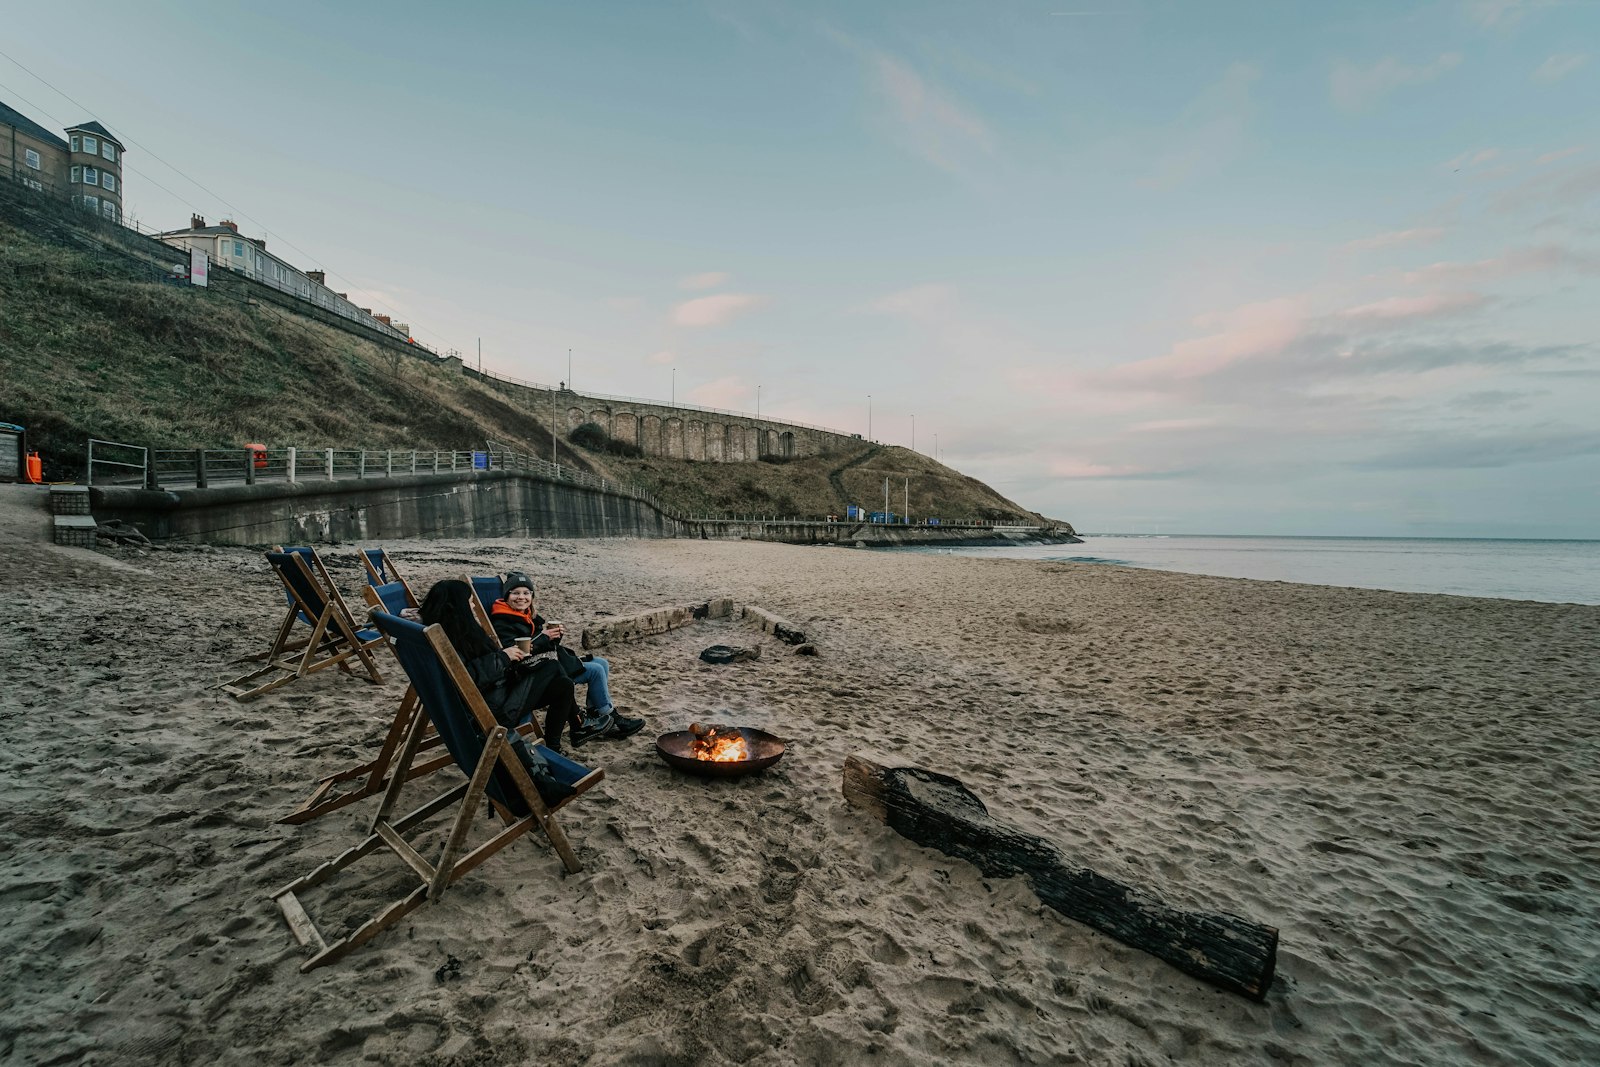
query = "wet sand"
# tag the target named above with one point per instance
(1405, 785)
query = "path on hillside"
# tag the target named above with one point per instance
(837, 482)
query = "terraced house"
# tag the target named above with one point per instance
(85, 165)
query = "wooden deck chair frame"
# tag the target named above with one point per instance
(382, 571)
(453, 862)
(374, 775)
(335, 637)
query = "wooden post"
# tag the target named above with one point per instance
(328, 459)
(290, 464)
(938, 811)
(361, 465)
(199, 468)
(249, 466)
(388, 464)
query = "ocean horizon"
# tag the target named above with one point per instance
(1562, 571)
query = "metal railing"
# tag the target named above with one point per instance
(117, 463)
(113, 463)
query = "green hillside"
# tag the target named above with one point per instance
(94, 344)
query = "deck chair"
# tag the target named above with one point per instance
(381, 571)
(373, 776)
(335, 638)
(489, 589)
(478, 745)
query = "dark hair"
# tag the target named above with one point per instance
(449, 604)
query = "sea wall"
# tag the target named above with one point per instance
(447, 504)
(877, 535)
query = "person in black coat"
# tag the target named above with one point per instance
(515, 616)
(514, 683)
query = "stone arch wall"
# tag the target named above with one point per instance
(625, 427)
(672, 437)
(576, 417)
(650, 434)
(785, 445)
(716, 442)
(602, 418)
(694, 440)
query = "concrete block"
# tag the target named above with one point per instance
(781, 628)
(69, 500)
(76, 531)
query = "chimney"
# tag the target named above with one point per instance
(382, 318)
(317, 276)
(342, 296)
(230, 224)
(364, 311)
(197, 222)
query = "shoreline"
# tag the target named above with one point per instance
(1403, 784)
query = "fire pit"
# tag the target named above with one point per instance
(720, 751)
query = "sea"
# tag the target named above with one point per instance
(1563, 572)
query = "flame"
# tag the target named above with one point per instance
(724, 748)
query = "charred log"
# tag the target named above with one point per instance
(936, 810)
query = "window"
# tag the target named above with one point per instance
(91, 176)
(238, 249)
(77, 175)
(108, 209)
(92, 203)
(108, 182)
(90, 145)
(108, 150)
(74, 142)
(31, 158)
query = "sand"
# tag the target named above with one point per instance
(1404, 785)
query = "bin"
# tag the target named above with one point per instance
(258, 455)
(13, 468)
(35, 473)
(480, 461)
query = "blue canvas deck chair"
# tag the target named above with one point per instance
(332, 793)
(381, 571)
(335, 639)
(479, 746)
(489, 589)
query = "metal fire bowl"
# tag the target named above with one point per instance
(765, 751)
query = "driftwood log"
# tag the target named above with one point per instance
(936, 810)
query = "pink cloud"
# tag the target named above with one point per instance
(1559, 66)
(1553, 157)
(1512, 262)
(1247, 332)
(714, 310)
(1415, 307)
(708, 280)
(730, 392)
(1358, 88)
(1076, 467)
(663, 358)
(1396, 238)
(917, 302)
(936, 127)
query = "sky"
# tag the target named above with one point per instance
(1160, 267)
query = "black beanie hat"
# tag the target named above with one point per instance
(517, 580)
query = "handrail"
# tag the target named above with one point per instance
(509, 380)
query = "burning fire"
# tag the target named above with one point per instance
(719, 748)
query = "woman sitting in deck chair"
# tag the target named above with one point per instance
(514, 617)
(512, 682)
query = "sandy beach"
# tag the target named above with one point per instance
(1406, 786)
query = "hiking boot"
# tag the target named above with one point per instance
(622, 726)
(588, 730)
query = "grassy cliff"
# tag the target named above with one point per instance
(94, 344)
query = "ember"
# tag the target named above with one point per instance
(708, 744)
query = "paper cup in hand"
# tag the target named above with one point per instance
(525, 643)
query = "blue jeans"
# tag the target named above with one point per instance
(597, 678)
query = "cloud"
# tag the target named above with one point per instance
(1395, 239)
(1559, 66)
(1416, 307)
(714, 310)
(1557, 156)
(1492, 14)
(1514, 261)
(930, 123)
(1079, 468)
(1564, 187)
(1213, 129)
(921, 302)
(1473, 158)
(727, 393)
(1358, 88)
(666, 357)
(1243, 333)
(1435, 452)
(709, 280)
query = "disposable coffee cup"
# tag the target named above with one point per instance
(525, 643)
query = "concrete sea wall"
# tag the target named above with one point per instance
(467, 504)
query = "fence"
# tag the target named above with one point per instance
(113, 463)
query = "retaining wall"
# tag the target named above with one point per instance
(449, 504)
